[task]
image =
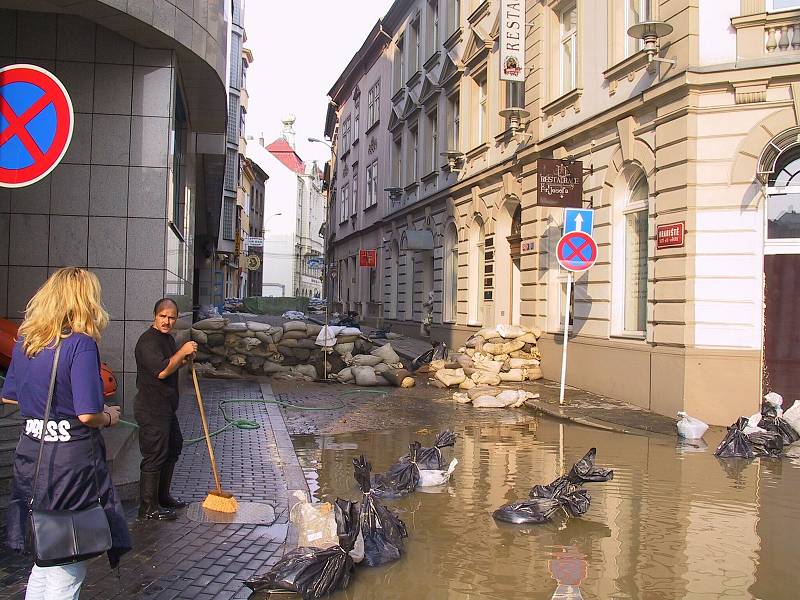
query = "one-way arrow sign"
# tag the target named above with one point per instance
(578, 219)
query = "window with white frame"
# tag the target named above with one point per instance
(636, 11)
(432, 27)
(372, 184)
(776, 5)
(450, 274)
(636, 222)
(373, 104)
(399, 64)
(432, 136)
(355, 127)
(783, 202)
(397, 161)
(413, 147)
(568, 45)
(481, 109)
(346, 134)
(355, 190)
(453, 15)
(415, 47)
(344, 203)
(453, 121)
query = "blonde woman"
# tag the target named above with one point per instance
(66, 310)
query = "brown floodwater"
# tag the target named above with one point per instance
(675, 522)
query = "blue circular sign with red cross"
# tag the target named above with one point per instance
(36, 122)
(576, 251)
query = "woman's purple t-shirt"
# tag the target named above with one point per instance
(78, 390)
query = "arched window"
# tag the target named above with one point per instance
(635, 214)
(451, 274)
(783, 199)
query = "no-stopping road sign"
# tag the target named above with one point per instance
(36, 122)
(576, 251)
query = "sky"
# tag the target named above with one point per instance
(299, 51)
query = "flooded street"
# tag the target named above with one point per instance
(674, 522)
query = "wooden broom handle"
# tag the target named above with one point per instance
(205, 426)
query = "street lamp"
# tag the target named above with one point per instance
(328, 144)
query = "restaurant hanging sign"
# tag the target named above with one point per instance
(512, 40)
(560, 183)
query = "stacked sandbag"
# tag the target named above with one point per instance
(493, 356)
(492, 397)
(381, 366)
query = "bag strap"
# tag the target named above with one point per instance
(44, 421)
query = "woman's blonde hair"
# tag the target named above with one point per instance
(69, 301)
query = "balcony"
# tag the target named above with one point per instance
(775, 34)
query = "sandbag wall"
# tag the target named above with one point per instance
(493, 356)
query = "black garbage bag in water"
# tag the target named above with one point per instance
(737, 444)
(401, 479)
(431, 458)
(563, 492)
(381, 528)
(310, 572)
(437, 352)
(346, 514)
(775, 424)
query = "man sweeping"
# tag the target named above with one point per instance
(155, 407)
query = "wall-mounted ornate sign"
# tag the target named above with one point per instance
(560, 183)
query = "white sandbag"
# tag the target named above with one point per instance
(386, 353)
(488, 366)
(344, 349)
(510, 331)
(488, 402)
(522, 363)
(345, 375)
(432, 477)
(482, 391)
(307, 370)
(199, 336)
(316, 523)
(327, 336)
(381, 367)
(487, 332)
(450, 377)
(350, 331)
(516, 375)
(504, 348)
(234, 327)
(467, 384)
(534, 373)
(501, 358)
(265, 338)
(256, 326)
(270, 367)
(367, 360)
(294, 326)
(528, 338)
(511, 397)
(690, 427)
(461, 398)
(792, 416)
(213, 324)
(486, 378)
(364, 376)
(294, 334)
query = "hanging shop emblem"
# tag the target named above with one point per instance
(512, 40)
(368, 258)
(253, 262)
(36, 122)
(560, 183)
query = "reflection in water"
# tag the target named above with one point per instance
(674, 523)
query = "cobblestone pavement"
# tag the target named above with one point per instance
(187, 559)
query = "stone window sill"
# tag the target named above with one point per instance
(478, 151)
(624, 68)
(563, 102)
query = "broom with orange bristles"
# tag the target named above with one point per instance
(217, 499)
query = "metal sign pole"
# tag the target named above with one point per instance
(566, 337)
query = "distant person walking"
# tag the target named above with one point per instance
(157, 362)
(65, 311)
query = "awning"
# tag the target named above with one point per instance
(414, 239)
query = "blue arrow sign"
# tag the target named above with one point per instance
(578, 219)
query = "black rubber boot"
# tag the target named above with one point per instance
(148, 491)
(165, 481)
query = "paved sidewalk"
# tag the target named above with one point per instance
(580, 406)
(190, 560)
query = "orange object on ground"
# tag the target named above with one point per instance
(8, 336)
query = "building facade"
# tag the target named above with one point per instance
(136, 198)
(707, 139)
(256, 229)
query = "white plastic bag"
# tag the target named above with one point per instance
(792, 416)
(315, 522)
(431, 477)
(689, 427)
(775, 400)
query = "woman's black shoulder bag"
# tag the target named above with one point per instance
(62, 537)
